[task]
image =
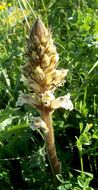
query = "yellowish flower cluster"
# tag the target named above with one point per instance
(41, 75)
(15, 15)
(3, 5)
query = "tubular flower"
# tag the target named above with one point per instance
(62, 102)
(47, 97)
(39, 123)
(41, 75)
(27, 99)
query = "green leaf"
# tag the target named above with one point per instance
(95, 135)
(6, 122)
(88, 127)
(24, 3)
(4, 114)
(95, 65)
(77, 188)
(80, 181)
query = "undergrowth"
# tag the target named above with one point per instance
(23, 160)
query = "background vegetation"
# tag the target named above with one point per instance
(23, 162)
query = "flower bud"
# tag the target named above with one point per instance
(38, 29)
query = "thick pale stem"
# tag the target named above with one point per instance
(50, 144)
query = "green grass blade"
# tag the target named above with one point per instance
(95, 65)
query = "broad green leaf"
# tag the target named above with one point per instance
(6, 122)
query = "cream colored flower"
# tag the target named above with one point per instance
(39, 123)
(63, 102)
(34, 86)
(39, 73)
(54, 57)
(45, 61)
(27, 99)
(47, 97)
(56, 78)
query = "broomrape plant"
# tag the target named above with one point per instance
(42, 79)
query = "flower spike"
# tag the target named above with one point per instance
(42, 79)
